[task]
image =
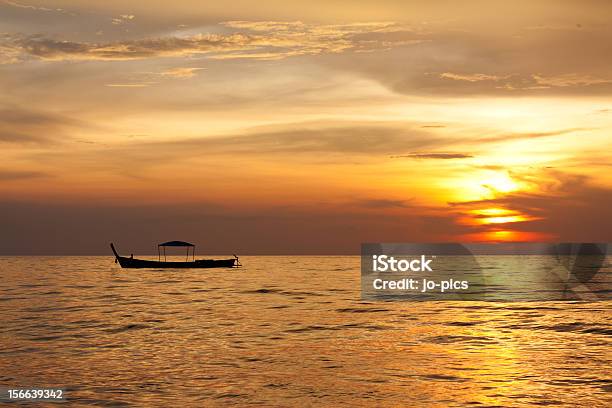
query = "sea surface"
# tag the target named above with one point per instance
(286, 331)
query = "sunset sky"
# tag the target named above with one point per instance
(302, 127)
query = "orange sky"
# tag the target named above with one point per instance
(303, 128)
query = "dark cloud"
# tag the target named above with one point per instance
(530, 135)
(383, 203)
(315, 142)
(51, 49)
(387, 38)
(348, 138)
(21, 125)
(10, 175)
(493, 167)
(31, 228)
(311, 141)
(307, 143)
(259, 40)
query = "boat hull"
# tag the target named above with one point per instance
(126, 262)
(200, 263)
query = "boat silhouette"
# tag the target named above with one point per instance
(132, 262)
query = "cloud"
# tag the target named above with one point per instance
(155, 78)
(441, 59)
(383, 203)
(9, 55)
(529, 81)
(444, 156)
(181, 72)
(306, 143)
(20, 125)
(29, 6)
(362, 138)
(54, 50)
(11, 175)
(456, 59)
(122, 19)
(532, 135)
(494, 167)
(313, 142)
(571, 79)
(259, 40)
(469, 77)
(131, 85)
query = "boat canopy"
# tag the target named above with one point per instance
(176, 244)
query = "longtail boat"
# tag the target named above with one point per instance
(132, 262)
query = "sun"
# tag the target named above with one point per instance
(484, 185)
(496, 220)
(500, 183)
(503, 220)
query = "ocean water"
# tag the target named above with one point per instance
(286, 331)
